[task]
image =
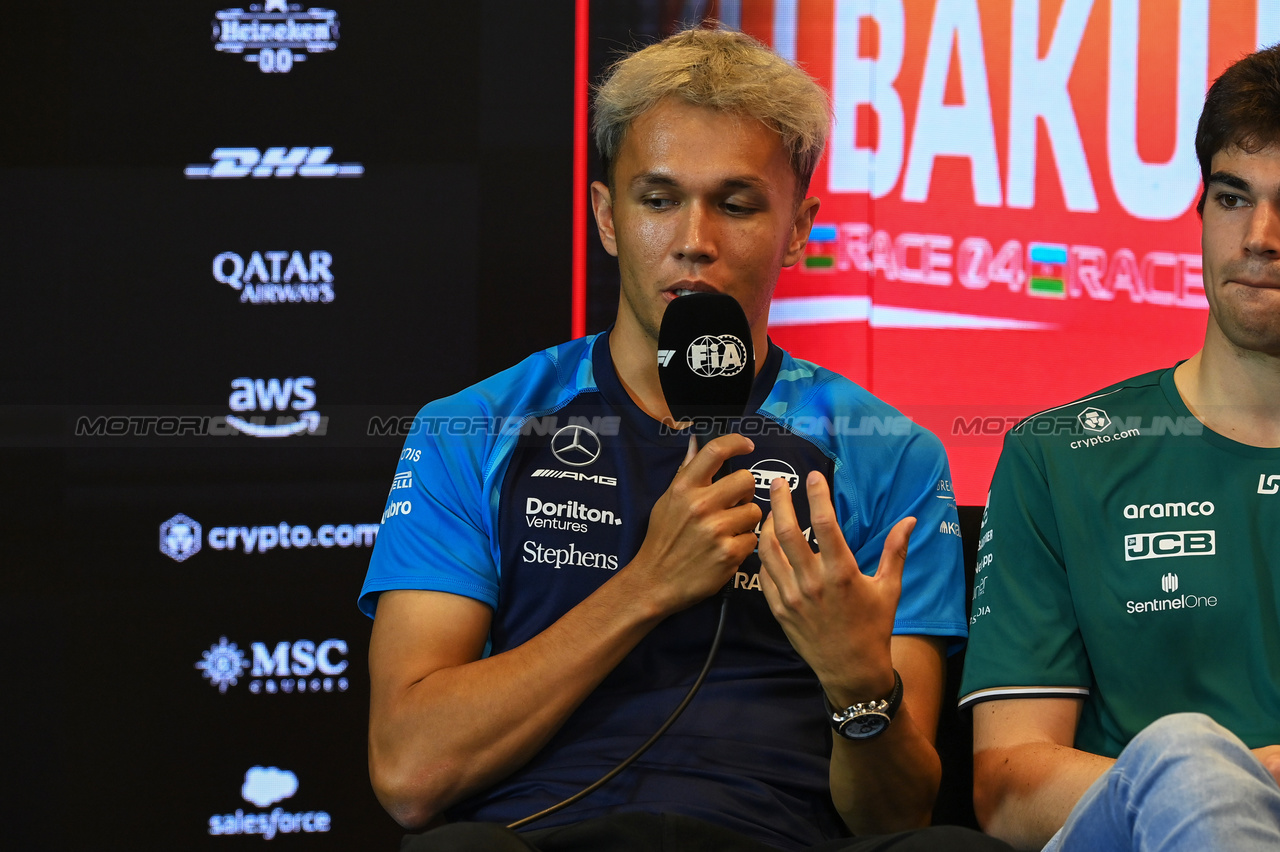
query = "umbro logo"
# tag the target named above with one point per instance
(576, 446)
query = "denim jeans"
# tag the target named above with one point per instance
(1183, 783)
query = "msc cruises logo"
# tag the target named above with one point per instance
(276, 162)
(576, 446)
(274, 35)
(289, 667)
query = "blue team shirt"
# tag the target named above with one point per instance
(530, 489)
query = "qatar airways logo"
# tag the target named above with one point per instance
(275, 162)
(275, 35)
(291, 394)
(276, 277)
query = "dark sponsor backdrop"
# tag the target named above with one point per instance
(447, 259)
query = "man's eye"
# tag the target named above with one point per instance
(1230, 201)
(657, 203)
(737, 209)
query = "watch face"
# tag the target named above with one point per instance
(864, 726)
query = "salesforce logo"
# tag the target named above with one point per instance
(263, 787)
(266, 786)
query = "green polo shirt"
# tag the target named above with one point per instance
(1130, 557)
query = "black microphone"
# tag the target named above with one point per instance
(706, 362)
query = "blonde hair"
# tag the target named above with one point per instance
(723, 70)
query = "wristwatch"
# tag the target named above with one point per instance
(866, 719)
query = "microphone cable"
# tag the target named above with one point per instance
(675, 714)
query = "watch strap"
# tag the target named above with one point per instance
(886, 707)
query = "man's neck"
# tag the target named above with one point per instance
(1235, 393)
(636, 363)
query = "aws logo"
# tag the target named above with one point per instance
(292, 394)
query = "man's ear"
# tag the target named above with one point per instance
(801, 225)
(602, 205)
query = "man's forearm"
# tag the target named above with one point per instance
(888, 783)
(464, 727)
(1024, 793)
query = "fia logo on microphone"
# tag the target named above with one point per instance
(711, 356)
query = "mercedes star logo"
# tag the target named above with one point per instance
(577, 446)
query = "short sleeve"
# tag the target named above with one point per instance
(916, 482)
(437, 524)
(1024, 640)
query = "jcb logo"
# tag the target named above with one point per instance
(1269, 484)
(1158, 545)
(276, 162)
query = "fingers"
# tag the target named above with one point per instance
(894, 555)
(777, 577)
(707, 461)
(785, 527)
(822, 514)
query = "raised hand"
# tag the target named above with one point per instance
(700, 530)
(837, 618)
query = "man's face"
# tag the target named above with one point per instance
(705, 201)
(1241, 246)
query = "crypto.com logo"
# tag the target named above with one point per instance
(180, 538)
(1094, 419)
(276, 162)
(576, 446)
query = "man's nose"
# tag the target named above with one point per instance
(1263, 236)
(696, 241)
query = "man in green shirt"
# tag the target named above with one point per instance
(1124, 656)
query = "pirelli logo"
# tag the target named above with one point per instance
(1159, 545)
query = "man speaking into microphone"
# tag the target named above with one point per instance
(547, 589)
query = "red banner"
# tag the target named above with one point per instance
(1008, 199)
